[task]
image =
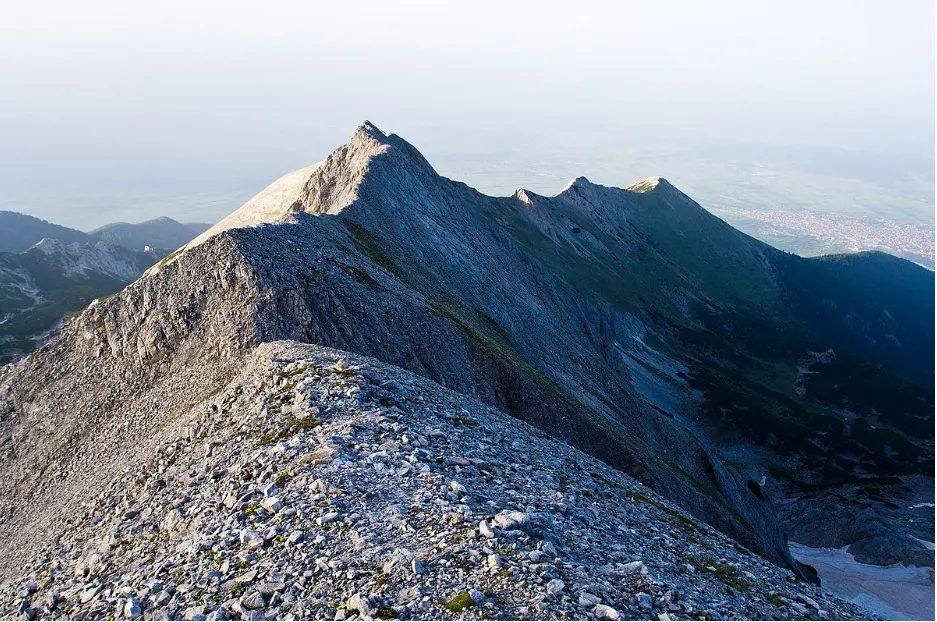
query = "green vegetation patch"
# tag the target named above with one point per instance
(291, 427)
(371, 246)
(361, 275)
(460, 602)
(283, 478)
(605, 480)
(729, 575)
(299, 369)
(497, 342)
(165, 260)
(687, 525)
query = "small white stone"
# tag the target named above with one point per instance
(555, 586)
(272, 504)
(325, 519)
(635, 567)
(588, 600)
(485, 529)
(132, 608)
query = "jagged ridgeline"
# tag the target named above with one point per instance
(630, 323)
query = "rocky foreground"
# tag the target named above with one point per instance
(325, 485)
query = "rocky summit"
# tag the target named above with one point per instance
(166, 454)
(319, 484)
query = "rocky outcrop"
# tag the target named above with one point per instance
(320, 484)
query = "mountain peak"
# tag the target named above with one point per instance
(368, 130)
(576, 183)
(649, 184)
(329, 186)
(525, 196)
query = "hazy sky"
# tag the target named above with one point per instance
(174, 98)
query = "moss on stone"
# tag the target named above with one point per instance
(291, 427)
(459, 602)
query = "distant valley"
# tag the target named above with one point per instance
(48, 271)
(811, 233)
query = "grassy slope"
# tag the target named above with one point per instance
(753, 312)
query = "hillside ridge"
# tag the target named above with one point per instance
(320, 484)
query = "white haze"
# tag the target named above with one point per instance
(130, 110)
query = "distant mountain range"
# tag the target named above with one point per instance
(18, 232)
(48, 271)
(163, 232)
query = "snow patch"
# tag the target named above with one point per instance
(893, 592)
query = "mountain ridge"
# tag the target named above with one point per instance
(280, 300)
(161, 232)
(20, 231)
(596, 322)
(270, 498)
